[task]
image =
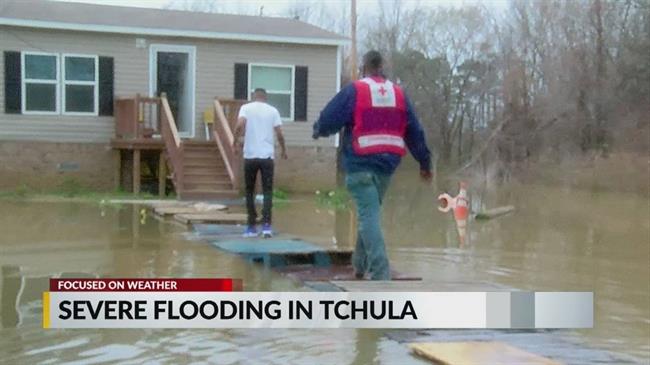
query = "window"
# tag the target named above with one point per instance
(42, 83)
(80, 79)
(40, 90)
(278, 81)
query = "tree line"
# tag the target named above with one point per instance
(513, 84)
(539, 78)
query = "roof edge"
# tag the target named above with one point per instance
(170, 32)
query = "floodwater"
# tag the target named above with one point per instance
(558, 239)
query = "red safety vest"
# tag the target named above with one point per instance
(379, 117)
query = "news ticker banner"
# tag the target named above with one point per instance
(217, 303)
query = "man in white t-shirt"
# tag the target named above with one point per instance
(258, 121)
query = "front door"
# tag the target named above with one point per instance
(172, 72)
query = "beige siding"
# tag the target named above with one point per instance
(214, 77)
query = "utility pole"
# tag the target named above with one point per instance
(353, 76)
(353, 46)
(352, 222)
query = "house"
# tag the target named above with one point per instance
(100, 93)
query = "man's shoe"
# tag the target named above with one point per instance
(250, 232)
(267, 231)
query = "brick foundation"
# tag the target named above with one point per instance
(46, 165)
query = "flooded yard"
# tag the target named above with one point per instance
(557, 240)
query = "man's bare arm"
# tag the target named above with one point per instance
(278, 132)
(239, 131)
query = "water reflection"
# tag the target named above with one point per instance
(10, 282)
(577, 240)
(367, 342)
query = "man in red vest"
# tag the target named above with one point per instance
(379, 124)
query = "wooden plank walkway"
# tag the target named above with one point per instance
(213, 217)
(216, 231)
(477, 353)
(336, 273)
(413, 286)
(164, 211)
(326, 269)
(558, 345)
(281, 251)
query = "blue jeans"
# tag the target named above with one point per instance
(368, 189)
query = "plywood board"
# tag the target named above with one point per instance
(217, 230)
(165, 211)
(335, 273)
(477, 353)
(413, 286)
(259, 245)
(188, 209)
(213, 217)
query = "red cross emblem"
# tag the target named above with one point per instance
(382, 91)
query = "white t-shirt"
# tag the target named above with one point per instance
(261, 119)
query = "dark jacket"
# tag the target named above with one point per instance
(339, 112)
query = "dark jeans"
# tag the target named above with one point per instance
(251, 167)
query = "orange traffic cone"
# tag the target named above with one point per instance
(460, 206)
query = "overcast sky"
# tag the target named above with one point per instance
(279, 7)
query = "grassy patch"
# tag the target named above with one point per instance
(337, 199)
(72, 190)
(279, 194)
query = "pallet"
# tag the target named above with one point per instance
(404, 285)
(217, 231)
(167, 211)
(282, 251)
(477, 353)
(338, 272)
(215, 217)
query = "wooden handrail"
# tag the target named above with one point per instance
(172, 140)
(221, 118)
(168, 117)
(137, 117)
(223, 134)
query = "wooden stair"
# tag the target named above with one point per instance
(204, 172)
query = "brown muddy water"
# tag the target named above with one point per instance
(557, 239)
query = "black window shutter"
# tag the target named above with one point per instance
(241, 81)
(106, 80)
(300, 95)
(13, 92)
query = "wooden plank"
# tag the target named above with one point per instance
(259, 245)
(138, 143)
(165, 211)
(216, 230)
(215, 217)
(413, 286)
(336, 273)
(148, 202)
(208, 207)
(187, 209)
(495, 212)
(117, 176)
(477, 353)
(162, 173)
(136, 171)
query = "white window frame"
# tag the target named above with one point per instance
(24, 81)
(94, 83)
(154, 48)
(292, 93)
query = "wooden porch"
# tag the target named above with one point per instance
(150, 148)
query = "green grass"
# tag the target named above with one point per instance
(72, 190)
(337, 199)
(279, 194)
